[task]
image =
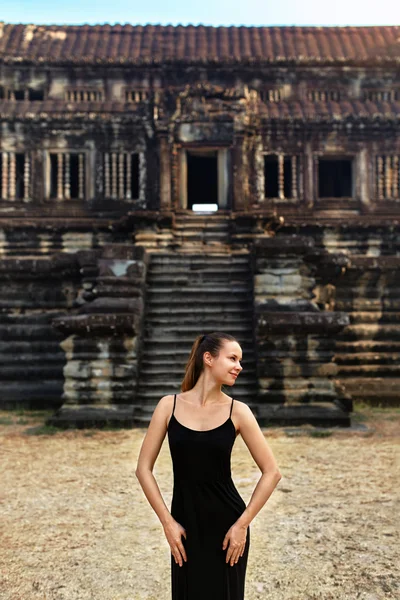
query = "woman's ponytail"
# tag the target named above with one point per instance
(209, 342)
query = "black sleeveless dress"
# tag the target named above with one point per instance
(206, 503)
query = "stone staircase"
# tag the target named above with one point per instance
(207, 230)
(368, 350)
(187, 295)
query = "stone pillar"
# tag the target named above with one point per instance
(309, 176)
(102, 339)
(165, 173)
(362, 176)
(238, 173)
(295, 338)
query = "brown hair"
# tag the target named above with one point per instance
(209, 342)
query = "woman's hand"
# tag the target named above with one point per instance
(236, 537)
(173, 532)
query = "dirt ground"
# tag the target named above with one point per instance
(75, 524)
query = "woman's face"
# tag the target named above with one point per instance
(226, 367)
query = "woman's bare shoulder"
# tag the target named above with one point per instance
(242, 407)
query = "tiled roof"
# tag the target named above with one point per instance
(330, 111)
(36, 109)
(152, 44)
(281, 111)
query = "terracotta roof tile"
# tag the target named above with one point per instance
(128, 44)
(330, 111)
(281, 111)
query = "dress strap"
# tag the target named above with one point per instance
(231, 408)
(174, 404)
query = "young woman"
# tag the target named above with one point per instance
(208, 526)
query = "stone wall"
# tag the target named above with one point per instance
(34, 291)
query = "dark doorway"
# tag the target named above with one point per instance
(335, 178)
(202, 178)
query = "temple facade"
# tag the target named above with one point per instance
(159, 182)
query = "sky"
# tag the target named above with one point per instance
(206, 12)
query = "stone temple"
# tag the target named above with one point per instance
(161, 182)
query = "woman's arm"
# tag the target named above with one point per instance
(148, 454)
(263, 456)
(149, 451)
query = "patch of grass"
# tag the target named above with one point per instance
(42, 430)
(320, 433)
(27, 412)
(359, 416)
(22, 421)
(6, 421)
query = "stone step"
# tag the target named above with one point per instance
(372, 370)
(205, 321)
(199, 311)
(226, 272)
(189, 281)
(367, 358)
(370, 331)
(203, 292)
(183, 302)
(370, 293)
(300, 395)
(382, 391)
(298, 383)
(14, 372)
(199, 261)
(188, 235)
(374, 317)
(186, 337)
(368, 345)
(13, 357)
(352, 304)
(323, 414)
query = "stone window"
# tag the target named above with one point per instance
(324, 95)
(67, 175)
(281, 176)
(35, 94)
(83, 95)
(136, 95)
(15, 176)
(26, 94)
(381, 95)
(387, 177)
(121, 175)
(272, 95)
(335, 177)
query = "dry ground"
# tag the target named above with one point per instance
(75, 524)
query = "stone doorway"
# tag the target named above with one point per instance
(204, 179)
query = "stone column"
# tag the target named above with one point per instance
(295, 338)
(165, 173)
(362, 175)
(102, 339)
(238, 173)
(309, 177)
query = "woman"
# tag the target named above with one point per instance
(208, 526)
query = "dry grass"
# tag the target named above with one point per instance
(75, 524)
